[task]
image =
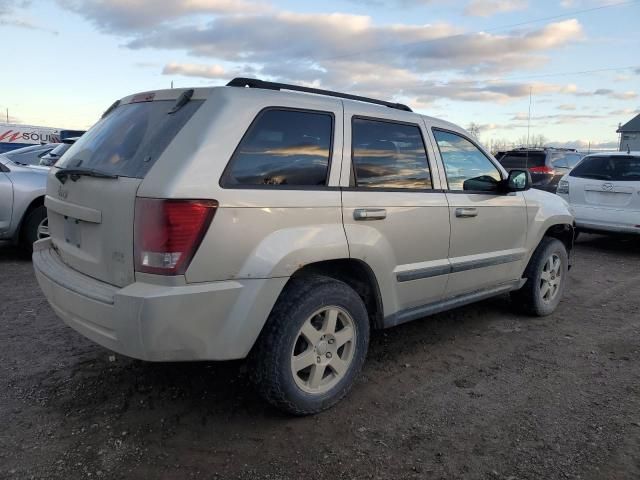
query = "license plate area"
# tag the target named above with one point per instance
(72, 231)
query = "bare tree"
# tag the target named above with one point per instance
(474, 130)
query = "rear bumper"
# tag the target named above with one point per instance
(203, 321)
(607, 219)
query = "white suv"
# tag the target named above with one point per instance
(604, 191)
(281, 223)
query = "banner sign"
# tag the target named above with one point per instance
(28, 134)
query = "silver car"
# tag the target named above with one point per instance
(282, 223)
(23, 216)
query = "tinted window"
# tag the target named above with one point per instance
(523, 159)
(389, 155)
(617, 168)
(573, 159)
(129, 140)
(283, 147)
(467, 168)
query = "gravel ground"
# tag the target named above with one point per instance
(478, 393)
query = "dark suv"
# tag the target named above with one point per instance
(547, 165)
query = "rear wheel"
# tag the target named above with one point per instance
(546, 279)
(313, 346)
(34, 228)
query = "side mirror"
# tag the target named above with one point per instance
(518, 181)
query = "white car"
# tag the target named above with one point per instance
(604, 191)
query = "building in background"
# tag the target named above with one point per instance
(630, 135)
(15, 135)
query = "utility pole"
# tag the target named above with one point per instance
(171, 83)
(7, 115)
(529, 119)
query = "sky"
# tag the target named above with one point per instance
(467, 61)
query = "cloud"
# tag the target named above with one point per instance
(192, 70)
(488, 8)
(584, 145)
(8, 18)
(335, 50)
(613, 94)
(125, 16)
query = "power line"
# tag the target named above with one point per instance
(494, 29)
(572, 73)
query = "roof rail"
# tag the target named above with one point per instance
(255, 83)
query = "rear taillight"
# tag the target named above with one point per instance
(542, 169)
(168, 233)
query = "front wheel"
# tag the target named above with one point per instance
(546, 279)
(313, 345)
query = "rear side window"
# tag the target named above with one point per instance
(283, 147)
(389, 155)
(523, 159)
(129, 140)
(616, 168)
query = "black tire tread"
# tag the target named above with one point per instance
(265, 371)
(524, 299)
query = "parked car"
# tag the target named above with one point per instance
(29, 155)
(23, 217)
(547, 165)
(54, 155)
(604, 191)
(230, 222)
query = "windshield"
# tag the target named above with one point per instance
(617, 168)
(129, 140)
(29, 155)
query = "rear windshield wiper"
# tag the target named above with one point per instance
(76, 173)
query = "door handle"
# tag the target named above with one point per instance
(466, 212)
(369, 214)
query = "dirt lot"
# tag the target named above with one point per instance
(479, 392)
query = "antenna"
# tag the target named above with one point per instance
(529, 118)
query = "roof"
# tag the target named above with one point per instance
(632, 125)
(632, 153)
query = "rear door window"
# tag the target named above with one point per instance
(129, 140)
(616, 168)
(389, 155)
(283, 148)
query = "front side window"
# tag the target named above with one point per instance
(283, 147)
(389, 155)
(467, 168)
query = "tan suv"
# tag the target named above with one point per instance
(282, 223)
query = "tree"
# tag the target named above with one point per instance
(474, 130)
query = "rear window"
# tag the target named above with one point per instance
(129, 140)
(283, 148)
(616, 168)
(523, 159)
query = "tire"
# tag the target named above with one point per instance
(29, 232)
(534, 298)
(299, 376)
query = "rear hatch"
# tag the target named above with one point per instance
(91, 191)
(610, 181)
(535, 162)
